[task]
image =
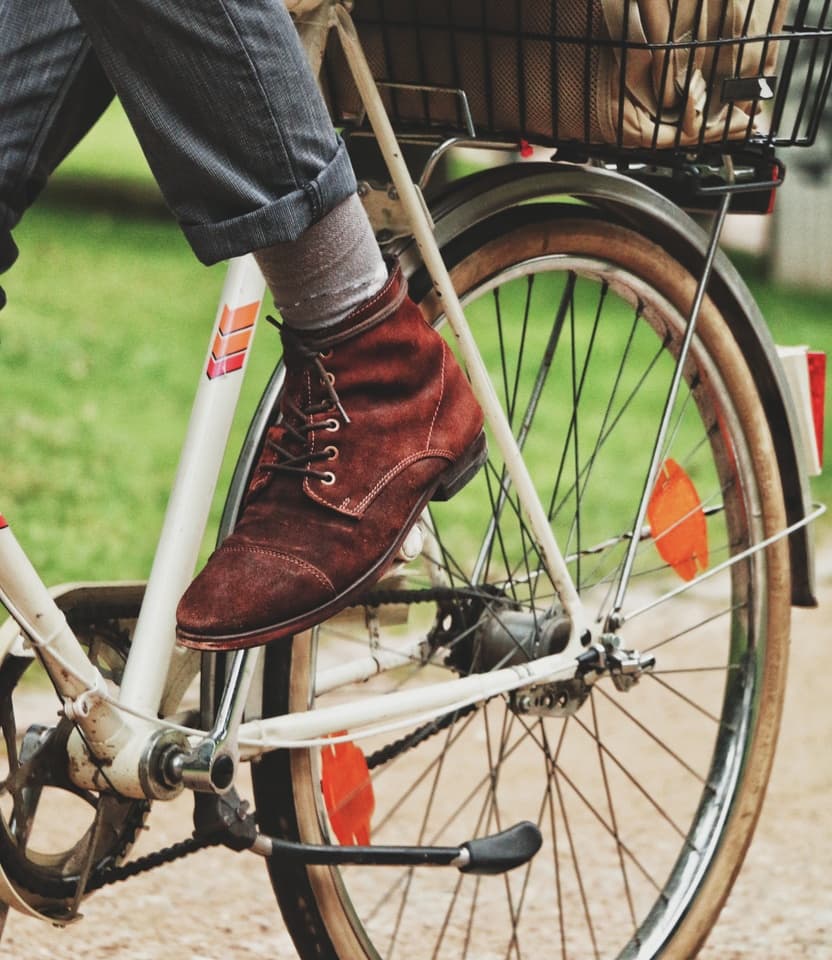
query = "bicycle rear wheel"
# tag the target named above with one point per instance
(646, 798)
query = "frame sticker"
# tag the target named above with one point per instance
(232, 341)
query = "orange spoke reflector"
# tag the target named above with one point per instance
(677, 522)
(348, 792)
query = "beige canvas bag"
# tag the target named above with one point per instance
(666, 92)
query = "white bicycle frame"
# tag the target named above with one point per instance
(121, 732)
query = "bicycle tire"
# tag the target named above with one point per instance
(648, 874)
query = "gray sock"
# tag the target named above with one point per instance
(332, 268)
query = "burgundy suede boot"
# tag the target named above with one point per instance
(376, 419)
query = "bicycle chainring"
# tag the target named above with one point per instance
(56, 839)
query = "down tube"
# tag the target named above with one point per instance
(190, 502)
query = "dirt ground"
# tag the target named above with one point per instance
(219, 906)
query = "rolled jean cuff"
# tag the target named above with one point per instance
(283, 220)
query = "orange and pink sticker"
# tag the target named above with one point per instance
(228, 352)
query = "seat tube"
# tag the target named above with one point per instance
(190, 502)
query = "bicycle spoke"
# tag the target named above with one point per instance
(654, 737)
(576, 860)
(632, 778)
(690, 702)
(613, 819)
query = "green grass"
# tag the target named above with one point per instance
(109, 153)
(103, 342)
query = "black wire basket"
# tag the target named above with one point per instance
(620, 78)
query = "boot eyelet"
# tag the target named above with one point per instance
(328, 478)
(325, 354)
(332, 452)
(331, 378)
(332, 425)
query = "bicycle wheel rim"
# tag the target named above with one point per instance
(690, 887)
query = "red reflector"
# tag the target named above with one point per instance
(817, 390)
(348, 792)
(776, 177)
(677, 522)
(526, 149)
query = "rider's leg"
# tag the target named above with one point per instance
(236, 133)
(52, 89)
(228, 115)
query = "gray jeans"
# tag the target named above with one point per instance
(218, 92)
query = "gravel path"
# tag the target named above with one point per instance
(219, 906)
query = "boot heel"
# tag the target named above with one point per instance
(465, 469)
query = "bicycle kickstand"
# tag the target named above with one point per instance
(226, 819)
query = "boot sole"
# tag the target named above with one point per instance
(450, 482)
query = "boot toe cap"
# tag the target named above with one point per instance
(246, 590)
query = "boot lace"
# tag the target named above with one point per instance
(296, 423)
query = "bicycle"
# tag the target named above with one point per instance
(602, 680)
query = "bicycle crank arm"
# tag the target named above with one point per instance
(211, 766)
(484, 856)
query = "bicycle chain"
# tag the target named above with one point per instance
(424, 595)
(176, 851)
(384, 755)
(395, 749)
